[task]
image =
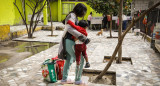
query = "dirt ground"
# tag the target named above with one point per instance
(11, 56)
(11, 52)
(108, 79)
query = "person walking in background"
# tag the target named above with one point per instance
(89, 19)
(66, 48)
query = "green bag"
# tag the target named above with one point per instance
(49, 71)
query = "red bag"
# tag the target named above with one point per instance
(55, 58)
(60, 64)
(59, 67)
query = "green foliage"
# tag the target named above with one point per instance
(109, 6)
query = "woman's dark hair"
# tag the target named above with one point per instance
(80, 10)
(91, 13)
(83, 23)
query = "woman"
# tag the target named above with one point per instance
(66, 49)
(105, 21)
(89, 19)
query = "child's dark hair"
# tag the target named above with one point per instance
(83, 23)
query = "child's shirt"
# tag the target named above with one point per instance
(79, 29)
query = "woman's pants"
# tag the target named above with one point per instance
(124, 25)
(69, 60)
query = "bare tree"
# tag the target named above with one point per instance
(36, 6)
(121, 40)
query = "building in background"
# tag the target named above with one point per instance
(138, 7)
(60, 8)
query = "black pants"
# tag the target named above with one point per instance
(104, 25)
(89, 22)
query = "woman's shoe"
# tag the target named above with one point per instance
(69, 81)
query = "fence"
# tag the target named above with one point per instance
(153, 17)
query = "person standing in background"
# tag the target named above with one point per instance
(145, 27)
(124, 26)
(89, 19)
(117, 23)
(105, 21)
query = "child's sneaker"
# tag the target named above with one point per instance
(87, 65)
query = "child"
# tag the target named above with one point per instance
(80, 47)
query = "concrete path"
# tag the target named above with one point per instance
(145, 70)
(23, 27)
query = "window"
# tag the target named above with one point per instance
(67, 8)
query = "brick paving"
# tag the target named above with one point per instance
(145, 70)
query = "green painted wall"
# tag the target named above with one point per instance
(54, 7)
(59, 10)
(45, 15)
(89, 9)
(9, 13)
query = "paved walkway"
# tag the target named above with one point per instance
(145, 70)
(23, 27)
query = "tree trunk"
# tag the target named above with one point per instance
(121, 40)
(50, 18)
(30, 35)
(111, 27)
(119, 60)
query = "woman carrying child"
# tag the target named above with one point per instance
(66, 49)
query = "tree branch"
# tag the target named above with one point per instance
(24, 20)
(36, 23)
(30, 7)
(41, 8)
(32, 2)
